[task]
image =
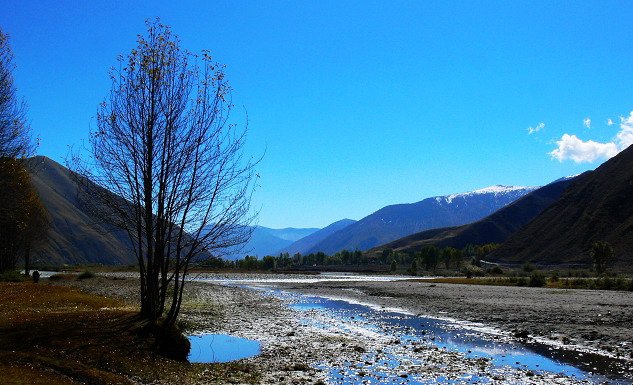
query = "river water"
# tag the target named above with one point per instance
(395, 363)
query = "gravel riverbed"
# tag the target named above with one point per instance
(298, 349)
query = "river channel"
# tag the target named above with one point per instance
(399, 356)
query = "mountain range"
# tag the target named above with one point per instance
(304, 245)
(266, 241)
(556, 223)
(76, 237)
(397, 221)
(495, 228)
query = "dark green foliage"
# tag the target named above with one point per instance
(430, 256)
(528, 267)
(603, 283)
(86, 275)
(602, 255)
(427, 259)
(268, 263)
(23, 218)
(414, 267)
(537, 279)
(11, 276)
(495, 270)
(385, 256)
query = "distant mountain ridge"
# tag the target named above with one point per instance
(400, 220)
(266, 241)
(304, 244)
(290, 234)
(495, 228)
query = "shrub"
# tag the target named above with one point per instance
(554, 277)
(495, 270)
(602, 255)
(604, 283)
(86, 275)
(521, 281)
(528, 267)
(11, 276)
(537, 279)
(473, 271)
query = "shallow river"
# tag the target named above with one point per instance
(402, 334)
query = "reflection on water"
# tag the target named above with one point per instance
(221, 348)
(412, 331)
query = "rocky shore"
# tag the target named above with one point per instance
(585, 320)
(297, 350)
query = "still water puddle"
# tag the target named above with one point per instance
(408, 331)
(221, 348)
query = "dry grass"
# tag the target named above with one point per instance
(467, 281)
(624, 284)
(58, 335)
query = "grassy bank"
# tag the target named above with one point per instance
(52, 334)
(603, 283)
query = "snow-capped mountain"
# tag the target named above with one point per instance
(495, 190)
(397, 221)
(495, 228)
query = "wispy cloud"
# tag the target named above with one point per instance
(587, 122)
(570, 147)
(625, 136)
(609, 122)
(538, 128)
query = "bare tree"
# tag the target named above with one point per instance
(167, 167)
(23, 219)
(15, 138)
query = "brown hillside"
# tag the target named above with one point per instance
(74, 236)
(598, 206)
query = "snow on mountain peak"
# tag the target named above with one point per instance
(495, 190)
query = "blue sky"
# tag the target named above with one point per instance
(361, 104)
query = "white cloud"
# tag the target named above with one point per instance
(587, 122)
(571, 147)
(625, 136)
(609, 122)
(538, 128)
